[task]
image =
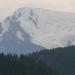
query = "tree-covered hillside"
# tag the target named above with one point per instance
(61, 60)
(22, 65)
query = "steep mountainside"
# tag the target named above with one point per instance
(47, 28)
(15, 39)
(31, 29)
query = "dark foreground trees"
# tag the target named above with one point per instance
(62, 60)
(23, 65)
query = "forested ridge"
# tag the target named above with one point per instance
(59, 61)
(11, 64)
(62, 60)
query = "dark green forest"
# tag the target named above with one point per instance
(61, 60)
(22, 65)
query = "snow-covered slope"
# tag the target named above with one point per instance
(13, 39)
(49, 29)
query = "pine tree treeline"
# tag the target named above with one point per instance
(23, 65)
(61, 60)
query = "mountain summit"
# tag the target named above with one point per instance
(32, 29)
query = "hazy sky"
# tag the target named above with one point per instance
(7, 7)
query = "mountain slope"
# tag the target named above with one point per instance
(47, 28)
(34, 29)
(16, 40)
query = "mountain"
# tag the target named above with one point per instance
(34, 29)
(48, 28)
(15, 39)
(61, 60)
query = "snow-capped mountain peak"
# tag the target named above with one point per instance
(48, 29)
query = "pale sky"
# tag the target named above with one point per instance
(7, 7)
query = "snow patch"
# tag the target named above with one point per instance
(19, 35)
